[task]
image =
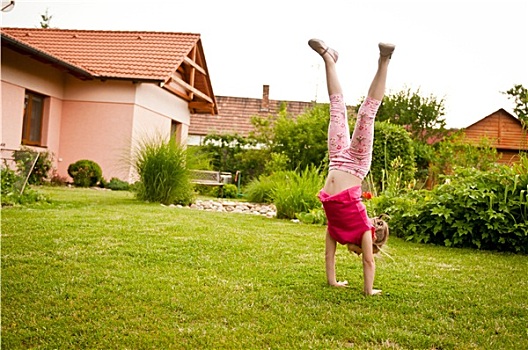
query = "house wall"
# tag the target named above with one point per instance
(19, 73)
(115, 115)
(155, 111)
(97, 125)
(95, 120)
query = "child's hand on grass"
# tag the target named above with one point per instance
(340, 284)
(376, 292)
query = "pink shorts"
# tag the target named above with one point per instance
(347, 216)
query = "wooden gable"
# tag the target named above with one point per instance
(504, 132)
(174, 61)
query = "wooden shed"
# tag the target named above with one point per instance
(504, 131)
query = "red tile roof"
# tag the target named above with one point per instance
(234, 115)
(134, 55)
(111, 54)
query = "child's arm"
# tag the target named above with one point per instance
(369, 265)
(330, 250)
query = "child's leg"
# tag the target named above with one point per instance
(338, 131)
(363, 137)
(360, 149)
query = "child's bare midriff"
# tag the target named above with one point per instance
(338, 181)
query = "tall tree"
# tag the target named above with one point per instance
(421, 116)
(520, 96)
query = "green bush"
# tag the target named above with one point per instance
(85, 173)
(260, 190)
(302, 139)
(116, 184)
(424, 156)
(455, 151)
(472, 208)
(57, 180)
(162, 170)
(251, 163)
(232, 153)
(205, 190)
(392, 142)
(313, 217)
(25, 160)
(277, 162)
(229, 191)
(11, 185)
(297, 192)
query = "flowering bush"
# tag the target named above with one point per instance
(367, 195)
(472, 208)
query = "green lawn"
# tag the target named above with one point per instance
(100, 270)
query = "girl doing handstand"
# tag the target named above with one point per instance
(350, 160)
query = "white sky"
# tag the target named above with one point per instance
(466, 52)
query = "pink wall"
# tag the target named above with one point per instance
(96, 131)
(18, 74)
(12, 110)
(96, 120)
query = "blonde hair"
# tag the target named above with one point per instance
(381, 232)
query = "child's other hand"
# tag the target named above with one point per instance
(340, 284)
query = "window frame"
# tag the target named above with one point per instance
(27, 123)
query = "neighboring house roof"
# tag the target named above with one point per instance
(234, 114)
(155, 57)
(503, 129)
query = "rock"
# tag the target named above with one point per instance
(219, 205)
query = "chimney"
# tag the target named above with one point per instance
(264, 105)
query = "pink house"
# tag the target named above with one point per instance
(82, 94)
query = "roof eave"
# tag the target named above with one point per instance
(27, 49)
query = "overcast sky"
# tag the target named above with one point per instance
(466, 52)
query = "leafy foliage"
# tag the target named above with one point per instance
(36, 164)
(223, 148)
(11, 189)
(424, 156)
(260, 190)
(228, 191)
(46, 19)
(164, 177)
(232, 153)
(455, 152)
(473, 208)
(520, 96)
(251, 163)
(422, 116)
(392, 147)
(116, 184)
(297, 192)
(85, 173)
(302, 140)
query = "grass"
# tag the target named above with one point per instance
(100, 270)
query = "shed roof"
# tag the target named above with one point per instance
(159, 57)
(503, 129)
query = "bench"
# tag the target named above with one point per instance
(207, 177)
(210, 178)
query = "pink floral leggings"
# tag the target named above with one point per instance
(351, 155)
